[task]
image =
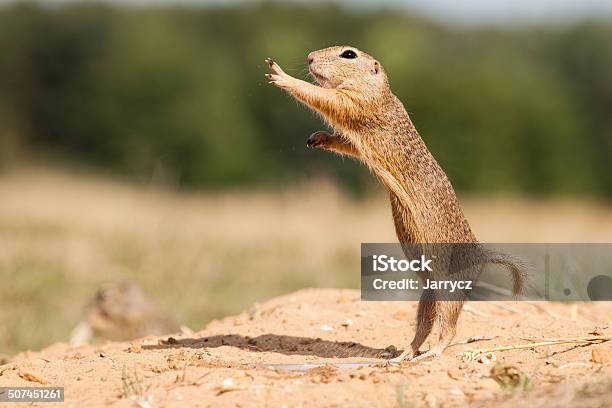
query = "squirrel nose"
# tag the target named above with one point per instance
(310, 58)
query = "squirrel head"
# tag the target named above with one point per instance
(346, 67)
(119, 301)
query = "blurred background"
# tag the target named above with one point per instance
(140, 141)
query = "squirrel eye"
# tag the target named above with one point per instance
(349, 54)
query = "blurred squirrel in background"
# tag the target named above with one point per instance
(121, 311)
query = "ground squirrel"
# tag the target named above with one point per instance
(121, 311)
(371, 124)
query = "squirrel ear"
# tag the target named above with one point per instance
(376, 67)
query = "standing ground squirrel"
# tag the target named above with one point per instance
(371, 124)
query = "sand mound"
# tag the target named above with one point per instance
(225, 364)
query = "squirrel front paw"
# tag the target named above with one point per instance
(319, 140)
(274, 67)
(278, 77)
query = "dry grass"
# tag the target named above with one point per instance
(206, 255)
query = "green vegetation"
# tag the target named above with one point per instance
(178, 94)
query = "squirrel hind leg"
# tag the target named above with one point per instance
(447, 315)
(426, 315)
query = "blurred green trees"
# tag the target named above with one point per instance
(180, 92)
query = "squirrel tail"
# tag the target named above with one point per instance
(517, 268)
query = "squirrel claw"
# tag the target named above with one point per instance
(274, 67)
(317, 139)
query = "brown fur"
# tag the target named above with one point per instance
(121, 311)
(371, 124)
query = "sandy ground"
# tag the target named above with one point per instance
(225, 364)
(64, 235)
